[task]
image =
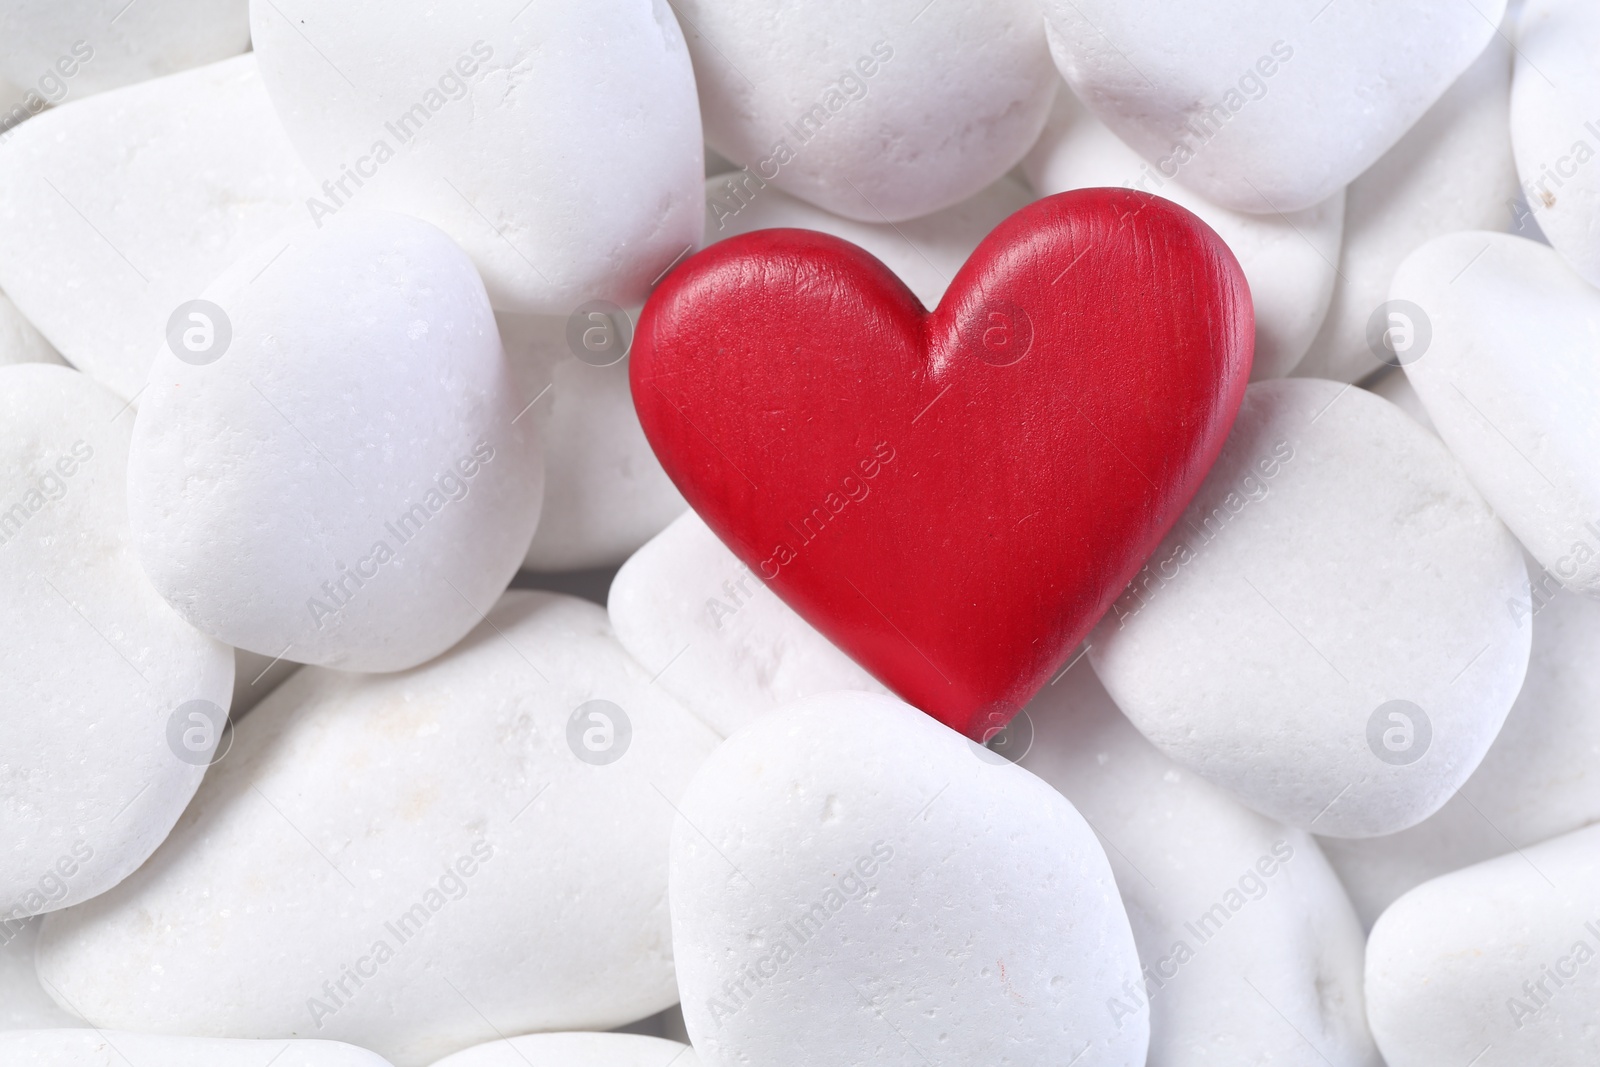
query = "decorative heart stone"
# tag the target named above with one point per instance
(953, 498)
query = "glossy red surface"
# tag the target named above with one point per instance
(955, 497)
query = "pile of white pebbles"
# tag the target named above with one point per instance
(314, 338)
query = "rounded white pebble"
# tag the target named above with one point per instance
(464, 838)
(1500, 961)
(1530, 441)
(716, 636)
(1258, 105)
(157, 188)
(1241, 924)
(1288, 260)
(1324, 632)
(849, 859)
(559, 144)
(337, 475)
(575, 1050)
(100, 675)
(114, 1048)
(872, 113)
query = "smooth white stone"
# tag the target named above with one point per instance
(102, 1048)
(925, 253)
(718, 638)
(1248, 941)
(156, 189)
(1263, 106)
(1539, 780)
(575, 1050)
(66, 49)
(347, 483)
(348, 802)
(559, 144)
(1393, 385)
(605, 493)
(20, 341)
(1335, 560)
(1454, 967)
(849, 859)
(873, 113)
(1555, 126)
(94, 665)
(1287, 259)
(1530, 441)
(24, 1005)
(1451, 171)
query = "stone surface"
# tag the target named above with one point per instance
(24, 1004)
(1451, 171)
(575, 1050)
(102, 1048)
(97, 670)
(559, 145)
(849, 859)
(393, 860)
(1529, 440)
(66, 49)
(1324, 633)
(715, 636)
(116, 210)
(604, 492)
(1287, 259)
(1248, 941)
(925, 253)
(1538, 781)
(342, 479)
(1263, 106)
(1497, 961)
(878, 114)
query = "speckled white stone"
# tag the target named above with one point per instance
(1336, 559)
(1530, 441)
(877, 113)
(719, 639)
(1451, 171)
(575, 1050)
(113, 1048)
(115, 210)
(1287, 259)
(1221, 899)
(93, 663)
(849, 859)
(1540, 779)
(1259, 105)
(442, 813)
(559, 144)
(605, 493)
(67, 49)
(348, 483)
(925, 253)
(1500, 961)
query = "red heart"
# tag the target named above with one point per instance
(952, 497)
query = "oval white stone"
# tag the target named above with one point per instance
(347, 483)
(849, 859)
(575, 1050)
(102, 1048)
(95, 667)
(1336, 561)
(443, 814)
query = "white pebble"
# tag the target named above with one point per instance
(381, 858)
(1530, 440)
(1287, 259)
(113, 1048)
(876, 114)
(575, 1050)
(116, 210)
(338, 475)
(1258, 105)
(1324, 632)
(716, 636)
(849, 859)
(559, 144)
(100, 676)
